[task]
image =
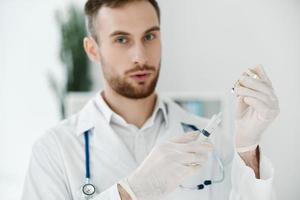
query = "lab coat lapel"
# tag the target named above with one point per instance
(104, 140)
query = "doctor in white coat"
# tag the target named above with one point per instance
(127, 143)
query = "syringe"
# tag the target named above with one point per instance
(208, 130)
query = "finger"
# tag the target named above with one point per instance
(252, 74)
(256, 84)
(256, 104)
(241, 107)
(194, 147)
(266, 112)
(246, 92)
(262, 74)
(193, 158)
(185, 138)
(190, 169)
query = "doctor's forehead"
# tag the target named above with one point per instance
(134, 18)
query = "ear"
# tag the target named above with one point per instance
(91, 49)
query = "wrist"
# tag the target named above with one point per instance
(251, 159)
(123, 193)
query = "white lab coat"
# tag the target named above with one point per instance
(57, 169)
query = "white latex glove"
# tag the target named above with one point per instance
(166, 167)
(257, 107)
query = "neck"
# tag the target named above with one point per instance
(134, 111)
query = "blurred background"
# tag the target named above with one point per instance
(207, 45)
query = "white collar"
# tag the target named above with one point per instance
(108, 113)
(96, 109)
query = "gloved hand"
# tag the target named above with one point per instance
(166, 167)
(257, 107)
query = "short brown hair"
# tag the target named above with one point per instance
(92, 6)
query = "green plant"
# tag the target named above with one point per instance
(77, 71)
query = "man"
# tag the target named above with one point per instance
(129, 141)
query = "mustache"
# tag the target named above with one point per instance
(140, 68)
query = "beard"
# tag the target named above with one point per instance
(129, 89)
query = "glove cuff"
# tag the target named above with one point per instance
(245, 149)
(124, 183)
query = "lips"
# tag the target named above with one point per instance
(140, 76)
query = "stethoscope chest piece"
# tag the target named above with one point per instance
(88, 189)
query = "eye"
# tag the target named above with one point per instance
(122, 40)
(149, 37)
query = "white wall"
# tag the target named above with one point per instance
(28, 50)
(207, 45)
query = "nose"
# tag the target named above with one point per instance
(139, 55)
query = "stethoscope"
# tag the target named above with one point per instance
(88, 189)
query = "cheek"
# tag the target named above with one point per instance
(111, 54)
(114, 60)
(154, 54)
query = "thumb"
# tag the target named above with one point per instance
(241, 106)
(185, 138)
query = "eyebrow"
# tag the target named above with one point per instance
(154, 28)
